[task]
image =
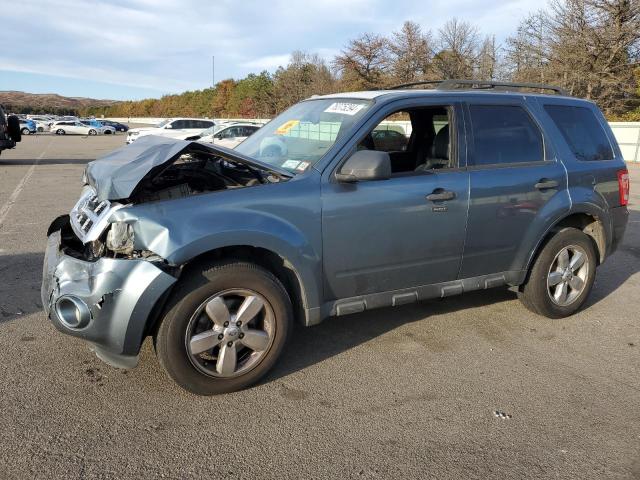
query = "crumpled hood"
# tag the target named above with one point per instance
(116, 175)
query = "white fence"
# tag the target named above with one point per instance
(628, 136)
(627, 133)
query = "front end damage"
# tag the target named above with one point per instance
(107, 301)
(99, 282)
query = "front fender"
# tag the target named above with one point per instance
(180, 230)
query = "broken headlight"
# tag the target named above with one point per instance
(120, 238)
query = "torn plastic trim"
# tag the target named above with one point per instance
(116, 175)
(90, 217)
(120, 293)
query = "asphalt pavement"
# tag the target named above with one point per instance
(462, 388)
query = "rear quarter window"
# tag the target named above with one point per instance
(504, 134)
(582, 131)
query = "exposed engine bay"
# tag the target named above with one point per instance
(87, 231)
(195, 173)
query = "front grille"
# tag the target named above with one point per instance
(90, 216)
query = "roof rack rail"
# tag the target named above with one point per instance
(452, 84)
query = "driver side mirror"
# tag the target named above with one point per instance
(169, 126)
(365, 165)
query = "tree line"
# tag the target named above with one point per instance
(589, 47)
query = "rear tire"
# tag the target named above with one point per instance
(562, 275)
(205, 307)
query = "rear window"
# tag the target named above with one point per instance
(582, 132)
(504, 134)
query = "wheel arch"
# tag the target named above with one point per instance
(587, 221)
(268, 259)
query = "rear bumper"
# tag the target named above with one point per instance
(106, 302)
(619, 219)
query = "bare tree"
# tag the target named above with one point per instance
(528, 51)
(364, 63)
(588, 46)
(410, 52)
(304, 76)
(487, 65)
(458, 44)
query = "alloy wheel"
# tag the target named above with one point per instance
(230, 333)
(567, 277)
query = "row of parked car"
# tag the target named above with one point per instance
(33, 124)
(226, 134)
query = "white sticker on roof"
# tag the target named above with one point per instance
(345, 108)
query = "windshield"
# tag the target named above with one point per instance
(163, 123)
(300, 136)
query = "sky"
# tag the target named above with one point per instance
(133, 49)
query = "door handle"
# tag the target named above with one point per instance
(545, 184)
(440, 195)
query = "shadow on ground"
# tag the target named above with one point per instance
(21, 276)
(309, 346)
(49, 161)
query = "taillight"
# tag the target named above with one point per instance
(623, 186)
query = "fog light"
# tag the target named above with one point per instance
(73, 312)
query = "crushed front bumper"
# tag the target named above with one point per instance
(106, 302)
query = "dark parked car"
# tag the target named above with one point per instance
(9, 131)
(214, 252)
(120, 127)
(386, 140)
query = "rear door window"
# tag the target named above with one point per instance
(504, 134)
(582, 132)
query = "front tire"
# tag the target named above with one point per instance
(93, 132)
(60, 132)
(562, 275)
(25, 131)
(225, 326)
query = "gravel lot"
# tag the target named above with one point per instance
(396, 393)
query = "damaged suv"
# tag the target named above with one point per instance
(213, 252)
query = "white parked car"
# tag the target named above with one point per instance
(228, 135)
(43, 122)
(178, 128)
(72, 127)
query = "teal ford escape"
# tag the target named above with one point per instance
(214, 252)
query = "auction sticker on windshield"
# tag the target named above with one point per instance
(286, 126)
(345, 108)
